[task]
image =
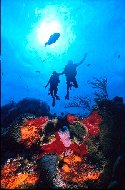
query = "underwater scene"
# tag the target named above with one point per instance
(62, 94)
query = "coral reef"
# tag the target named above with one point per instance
(92, 122)
(30, 131)
(19, 173)
(75, 169)
(13, 110)
(64, 152)
(78, 131)
(12, 116)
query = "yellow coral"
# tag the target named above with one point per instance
(18, 180)
(12, 178)
(66, 168)
(72, 159)
(79, 170)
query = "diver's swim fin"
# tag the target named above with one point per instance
(67, 97)
(57, 98)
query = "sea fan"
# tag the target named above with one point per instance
(101, 86)
(80, 102)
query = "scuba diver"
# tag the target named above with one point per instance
(70, 73)
(54, 81)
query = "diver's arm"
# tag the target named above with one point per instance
(61, 73)
(64, 71)
(47, 83)
(84, 58)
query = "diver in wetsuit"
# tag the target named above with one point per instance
(54, 81)
(70, 73)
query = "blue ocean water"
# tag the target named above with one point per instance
(95, 27)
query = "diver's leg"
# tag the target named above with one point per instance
(55, 93)
(53, 103)
(49, 92)
(71, 84)
(52, 92)
(75, 84)
(68, 87)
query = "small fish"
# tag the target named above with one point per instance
(118, 56)
(43, 60)
(52, 39)
(38, 72)
(88, 65)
